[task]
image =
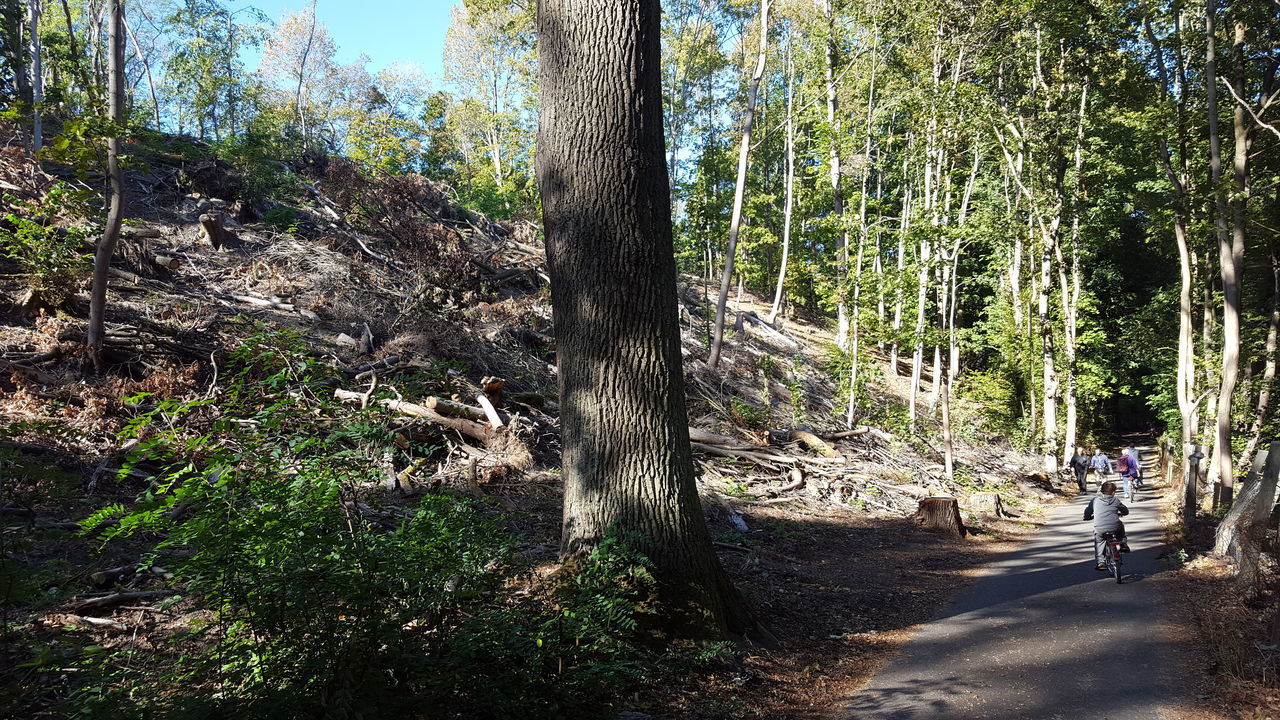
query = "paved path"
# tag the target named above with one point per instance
(1042, 635)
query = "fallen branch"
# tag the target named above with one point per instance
(110, 601)
(816, 444)
(500, 441)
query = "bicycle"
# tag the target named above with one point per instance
(1111, 554)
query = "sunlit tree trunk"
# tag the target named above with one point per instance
(115, 179)
(602, 175)
(790, 183)
(1230, 262)
(837, 199)
(37, 76)
(735, 222)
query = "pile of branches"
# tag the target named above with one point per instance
(408, 209)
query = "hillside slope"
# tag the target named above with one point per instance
(388, 296)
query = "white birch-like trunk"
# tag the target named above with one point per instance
(735, 222)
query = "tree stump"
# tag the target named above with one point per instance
(987, 503)
(211, 229)
(941, 514)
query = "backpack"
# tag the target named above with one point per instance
(1124, 464)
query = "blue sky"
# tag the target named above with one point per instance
(385, 30)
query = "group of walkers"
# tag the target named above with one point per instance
(1105, 510)
(1128, 465)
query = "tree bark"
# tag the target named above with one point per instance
(111, 233)
(735, 222)
(37, 76)
(941, 514)
(628, 467)
(1229, 268)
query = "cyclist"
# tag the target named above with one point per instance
(1105, 510)
(1128, 469)
(1137, 464)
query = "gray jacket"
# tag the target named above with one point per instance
(1105, 511)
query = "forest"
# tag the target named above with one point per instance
(671, 359)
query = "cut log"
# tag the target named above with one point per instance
(166, 262)
(38, 376)
(940, 514)
(140, 233)
(767, 330)
(452, 408)
(261, 302)
(212, 230)
(863, 430)
(107, 578)
(708, 438)
(816, 444)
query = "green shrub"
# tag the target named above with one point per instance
(330, 604)
(51, 257)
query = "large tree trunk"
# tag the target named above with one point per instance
(1229, 268)
(602, 173)
(111, 234)
(735, 222)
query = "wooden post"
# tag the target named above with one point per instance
(1190, 476)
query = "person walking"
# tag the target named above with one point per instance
(1105, 511)
(1101, 465)
(1080, 464)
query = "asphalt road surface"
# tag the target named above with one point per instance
(1043, 635)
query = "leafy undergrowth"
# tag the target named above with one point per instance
(301, 588)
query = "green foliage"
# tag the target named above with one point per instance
(81, 143)
(328, 603)
(50, 255)
(256, 155)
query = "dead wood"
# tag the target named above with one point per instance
(42, 378)
(941, 514)
(767, 330)
(212, 230)
(108, 578)
(815, 443)
(114, 599)
(166, 262)
(863, 430)
(140, 233)
(502, 442)
(723, 441)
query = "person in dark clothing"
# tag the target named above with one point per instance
(1105, 510)
(1080, 464)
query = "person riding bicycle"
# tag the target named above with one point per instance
(1105, 510)
(1137, 464)
(1128, 469)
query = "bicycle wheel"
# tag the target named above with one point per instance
(1115, 563)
